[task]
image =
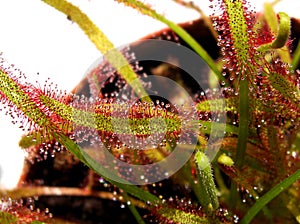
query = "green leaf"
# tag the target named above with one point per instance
(105, 173)
(104, 122)
(296, 57)
(238, 29)
(115, 58)
(270, 195)
(7, 218)
(179, 216)
(270, 17)
(282, 36)
(141, 7)
(133, 209)
(14, 92)
(286, 89)
(243, 123)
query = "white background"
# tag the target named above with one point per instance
(37, 38)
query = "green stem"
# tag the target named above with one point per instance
(276, 153)
(243, 123)
(133, 209)
(194, 186)
(296, 57)
(242, 136)
(220, 182)
(270, 195)
(233, 196)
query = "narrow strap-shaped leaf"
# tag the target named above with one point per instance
(296, 57)
(141, 7)
(286, 88)
(92, 164)
(270, 195)
(105, 121)
(13, 92)
(282, 36)
(108, 123)
(238, 29)
(243, 123)
(115, 58)
(16, 95)
(133, 209)
(271, 17)
(206, 18)
(179, 216)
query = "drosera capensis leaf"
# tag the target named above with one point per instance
(15, 94)
(265, 95)
(144, 9)
(101, 117)
(206, 18)
(259, 108)
(95, 166)
(238, 27)
(29, 110)
(179, 216)
(6, 217)
(286, 88)
(271, 19)
(282, 35)
(241, 61)
(14, 211)
(102, 43)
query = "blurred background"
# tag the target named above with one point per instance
(38, 39)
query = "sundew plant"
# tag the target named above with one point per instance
(147, 130)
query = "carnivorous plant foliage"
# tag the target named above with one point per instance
(258, 163)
